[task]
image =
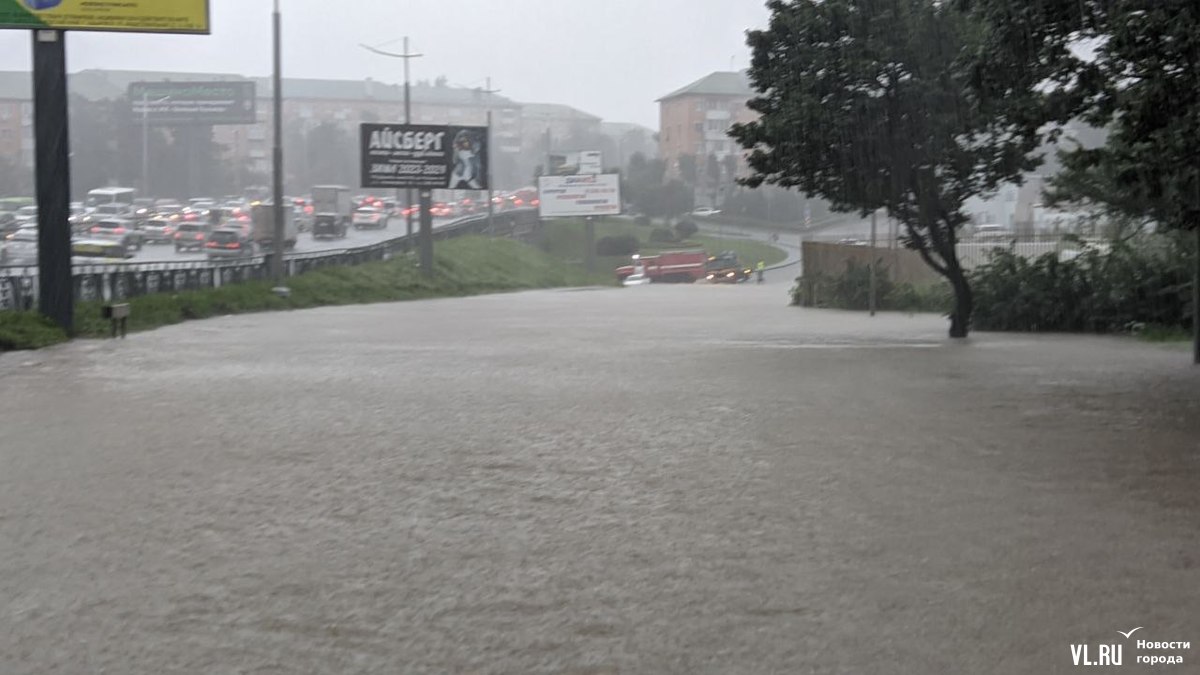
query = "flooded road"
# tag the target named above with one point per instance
(659, 479)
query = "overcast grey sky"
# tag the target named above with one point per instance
(612, 58)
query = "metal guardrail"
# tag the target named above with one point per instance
(110, 281)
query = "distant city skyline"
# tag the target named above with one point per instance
(612, 60)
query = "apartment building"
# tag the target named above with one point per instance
(695, 119)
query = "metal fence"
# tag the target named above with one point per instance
(971, 252)
(122, 280)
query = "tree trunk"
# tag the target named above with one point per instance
(964, 303)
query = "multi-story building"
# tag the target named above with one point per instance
(16, 120)
(519, 131)
(627, 139)
(695, 120)
(308, 103)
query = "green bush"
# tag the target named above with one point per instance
(1143, 282)
(852, 290)
(685, 229)
(662, 235)
(619, 245)
(28, 330)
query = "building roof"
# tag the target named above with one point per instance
(556, 111)
(716, 84)
(101, 85)
(374, 90)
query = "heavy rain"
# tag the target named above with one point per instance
(708, 336)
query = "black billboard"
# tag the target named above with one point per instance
(193, 103)
(422, 156)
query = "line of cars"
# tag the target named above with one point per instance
(120, 230)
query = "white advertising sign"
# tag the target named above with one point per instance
(591, 195)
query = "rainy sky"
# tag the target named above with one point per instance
(611, 58)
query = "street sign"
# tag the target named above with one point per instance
(187, 103)
(592, 195)
(424, 156)
(131, 16)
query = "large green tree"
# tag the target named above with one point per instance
(1130, 66)
(862, 104)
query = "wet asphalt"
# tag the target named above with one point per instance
(660, 479)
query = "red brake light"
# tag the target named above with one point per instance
(119, 230)
(211, 244)
(94, 230)
(518, 202)
(535, 202)
(308, 209)
(199, 237)
(233, 245)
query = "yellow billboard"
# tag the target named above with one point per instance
(133, 16)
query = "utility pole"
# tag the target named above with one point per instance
(407, 56)
(871, 296)
(277, 243)
(487, 169)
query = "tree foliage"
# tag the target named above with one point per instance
(1130, 66)
(862, 103)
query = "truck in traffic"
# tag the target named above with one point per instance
(333, 209)
(262, 232)
(669, 267)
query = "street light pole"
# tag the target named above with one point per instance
(407, 56)
(488, 168)
(277, 239)
(146, 140)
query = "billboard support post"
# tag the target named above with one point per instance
(53, 170)
(426, 243)
(589, 235)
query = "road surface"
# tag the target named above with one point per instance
(661, 479)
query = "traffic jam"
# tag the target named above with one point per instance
(116, 224)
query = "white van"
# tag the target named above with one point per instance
(110, 196)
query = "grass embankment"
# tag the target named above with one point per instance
(464, 266)
(564, 238)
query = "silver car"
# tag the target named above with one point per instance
(20, 247)
(158, 230)
(228, 244)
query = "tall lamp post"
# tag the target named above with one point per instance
(491, 208)
(407, 56)
(146, 139)
(277, 243)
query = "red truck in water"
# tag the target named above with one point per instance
(669, 267)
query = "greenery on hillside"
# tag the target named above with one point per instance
(464, 266)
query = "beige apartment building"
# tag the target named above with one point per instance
(695, 120)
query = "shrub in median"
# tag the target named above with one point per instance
(662, 235)
(685, 229)
(620, 245)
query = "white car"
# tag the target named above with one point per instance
(705, 211)
(992, 232)
(370, 217)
